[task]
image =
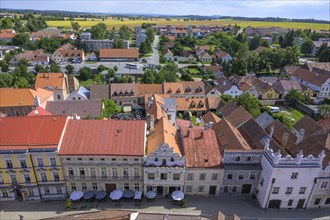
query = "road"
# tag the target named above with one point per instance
(154, 58)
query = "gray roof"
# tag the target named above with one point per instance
(170, 101)
(83, 108)
(100, 91)
(264, 120)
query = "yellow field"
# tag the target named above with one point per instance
(130, 23)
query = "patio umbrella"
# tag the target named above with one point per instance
(76, 195)
(100, 195)
(128, 194)
(151, 194)
(138, 195)
(116, 194)
(177, 195)
(89, 195)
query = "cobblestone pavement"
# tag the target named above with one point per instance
(245, 207)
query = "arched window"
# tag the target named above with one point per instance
(156, 159)
(164, 161)
(172, 159)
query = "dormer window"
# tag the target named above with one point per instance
(199, 89)
(201, 104)
(127, 93)
(188, 89)
(132, 93)
(178, 90)
(169, 90)
(192, 104)
(121, 93)
(115, 93)
(164, 162)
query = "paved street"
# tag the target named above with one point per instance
(245, 207)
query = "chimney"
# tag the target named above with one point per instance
(44, 75)
(285, 139)
(272, 131)
(300, 136)
(211, 123)
(224, 83)
(36, 101)
(152, 123)
(75, 116)
(48, 74)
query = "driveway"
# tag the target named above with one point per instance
(245, 207)
(154, 58)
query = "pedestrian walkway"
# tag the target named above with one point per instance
(245, 207)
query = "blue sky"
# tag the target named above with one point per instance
(317, 9)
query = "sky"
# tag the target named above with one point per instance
(316, 9)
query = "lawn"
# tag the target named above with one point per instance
(161, 21)
(193, 70)
(293, 113)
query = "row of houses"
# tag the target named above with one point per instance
(51, 156)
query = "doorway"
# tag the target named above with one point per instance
(110, 187)
(160, 190)
(18, 194)
(274, 204)
(212, 190)
(300, 204)
(246, 189)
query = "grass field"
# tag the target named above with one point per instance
(293, 113)
(160, 21)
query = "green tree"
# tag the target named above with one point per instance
(124, 32)
(149, 46)
(85, 73)
(249, 103)
(149, 76)
(294, 96)
(75, 26)
(49, 45)
(226, 98)
(6, 23)
(118, 43)
(112, 34)
(4, 66)
(323, 47)
(21, 82)
(6, 80)
(307, 47)
(325, 55)
(99, 31)
(255, 42)
(22, 71)
(21, 40)
(150, 34)
(35, 23)
(115, 68)
(69, 68)
(40, 69)
(101, 68)
(167, 73)
(324, 110)
(54, 68)
(143, 49)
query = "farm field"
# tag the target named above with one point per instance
(160, 21)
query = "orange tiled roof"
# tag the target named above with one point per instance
(144, 89)
(54, 80)
(192, 104)
(211, 117)
(10, 97)
(119, 53)
(7, 35)
(201, 148)
(164, 132)
(173, 88)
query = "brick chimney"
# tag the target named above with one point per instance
(300, 136)
(285, 139)
(36, 101)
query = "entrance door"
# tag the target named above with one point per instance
(172, 189)
(212, 190)
(300, 204)
(110, 187)
(160, 190)
(246, 189)
(18, 194)
(274, 204)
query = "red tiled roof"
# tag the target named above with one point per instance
(107, 137)
(38, 112)
(201, 147)
(31, 131)
(54, 80)
(7, 35)
(312, 77)
(119, 53)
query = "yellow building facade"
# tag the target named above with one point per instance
(269, 94)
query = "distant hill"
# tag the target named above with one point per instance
(62, 14)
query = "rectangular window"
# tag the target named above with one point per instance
(137, 186)
(46, 190)
(229, 176)
(248, 159)
(136, 172)
(16, 112)
(92, 171)
(13, 178)
(125, 172)
(56, 176)
(294, 176)
(241, 176)
(317, 201)
(151, 176)
(176, 176)
(103, 172)
(276, 190)
(202, 176)
(327, 201)
(200, 188)
(190, 176)
(94, 186)
(114, 172)
(53, 162)
(58, 190)
(324, 185)
(234, 189)
(163, 176)
(188, 188)
(290, 202)
(31, 192)
(126, 186)
(83, 186)
(262, 181)
(23, 164)
(43, 177)
(5, 193)
(252, 175)
(288, 190)
(27, 178)
(302, 190)
(9, 164)
(73, 186)
(40, 162)
(81, 171)
(70, 171)
(214, 176)
(237, 158)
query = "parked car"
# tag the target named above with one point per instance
(144, 60)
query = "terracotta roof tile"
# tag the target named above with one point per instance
(71, 53)
(54, 80)
(39, 111)
(104, 137)
(210, 117)
(238, 116)
(38, 131)
(213, 102)
(173, 88)
(200, 147)
(100, 91)
(144, 89)
(244, 86)
(283, 86)
(181, 123)
(119, 53)
(309, 125)
(281, 134)
(312, 77)
(7, 35)
(325, 123)
(128, 90)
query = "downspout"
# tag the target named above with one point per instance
(270, 191)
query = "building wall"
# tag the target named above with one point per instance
(270, 94)
(233, 91)
(325, 89)
(305, 83)
(321, 192)
(16, 110)
(199, 180)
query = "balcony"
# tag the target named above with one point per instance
(71, 177)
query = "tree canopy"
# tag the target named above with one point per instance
(110, 108)
(99, 31)
(249, 103)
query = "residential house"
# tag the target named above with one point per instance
(210, 118)
(119, 55)
(7, 35)
(316, 81)
(204, 57)
(73, 83)
(224, 56)
(94, 161)
(197, 106)
(164, 169)
(54, 82)
(305, 127)
(19, 102)
(224, 86)
(38, 111)
(318, 44)
(217, 70)
(260, 49)
(271, 80)
(29, 165)
(51, 33)
(63, 54)
(264, 120)
(100, 91)
(203, 174)
(168, 55)
(314, 66)
(80, 108)
(283, 87)
(159, 107)
(91, 57)
(186, 56)
(288, 70)
(249, 89)
(125, 95)
(80, 94)
(96, 45)
(236, 115)
(32, 57)
(205, 48)
(266, 92)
